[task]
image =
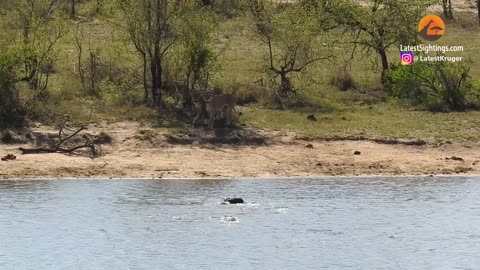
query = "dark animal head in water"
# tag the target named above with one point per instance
(233, 200)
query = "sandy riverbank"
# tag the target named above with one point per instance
(145, 152)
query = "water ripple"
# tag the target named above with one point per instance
(330, 223)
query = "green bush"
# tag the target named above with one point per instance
(8, 96)
(438, 86)
(402, 84)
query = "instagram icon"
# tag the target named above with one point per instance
(406, 58)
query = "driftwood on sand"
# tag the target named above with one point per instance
(62, 140)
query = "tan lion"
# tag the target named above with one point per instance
(220, 106)
(216, 105)
(199, 106)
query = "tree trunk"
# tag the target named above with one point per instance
(447, 9)
(145, 70)
(158, 62)
(478, 8)
(93, 71)
(34, 74)
(156, 65)
(79, 45)
(187, 98)
(384, 59)
(154, 73)
(286, 86)
(450, 10)
(80, 68)
(73, 11)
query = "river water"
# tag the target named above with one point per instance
(331, 223)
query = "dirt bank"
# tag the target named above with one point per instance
(145, 152)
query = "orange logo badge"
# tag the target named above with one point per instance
(431, 27)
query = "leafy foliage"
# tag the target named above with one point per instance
(8, 94)
(381, 24)
(437, 86)
(149, 27)
(197, 55)
(37, 26)
(142, 48)
(290, 32)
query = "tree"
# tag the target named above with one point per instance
(86, 74)
(197, 53)
(148, 24)
(37, 28)
(8, 96)
(289, 33)
(381, 24)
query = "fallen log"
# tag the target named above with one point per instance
(62, 140)
(40, 150)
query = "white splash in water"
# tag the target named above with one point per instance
(281, 210)
(230, 219)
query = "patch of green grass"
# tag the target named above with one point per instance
(372, 122)
(363, 112)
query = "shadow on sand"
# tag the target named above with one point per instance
(219, 136)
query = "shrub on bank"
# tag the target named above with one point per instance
(6, 136)
(436, 86)
(8, 95)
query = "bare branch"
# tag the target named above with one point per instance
(58, 147)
